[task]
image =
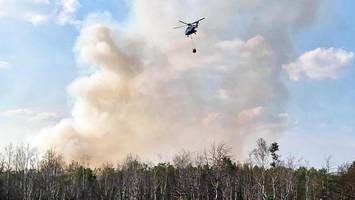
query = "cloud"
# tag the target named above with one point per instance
(323, 125)
(319, 64)
(29, 11)
(67, 13)
(4, 4)
(23, 124)
(41, 1)
(30, 115)
(4, 64)
(35, 18)
(40, 12)
(284, 115)
(149, 94)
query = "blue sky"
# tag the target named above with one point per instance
(324, 110)
(39, 64)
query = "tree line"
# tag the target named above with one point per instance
(212, 175)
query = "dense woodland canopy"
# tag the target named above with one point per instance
(208, 176)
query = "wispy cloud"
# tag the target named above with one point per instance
(40, 12)
(36, 18)
(283, 115)
(4, 5)
(41, 1)
(323, 125)
(29, 114)
(67, 13)
(4, 64)
(319, 64)
(34, 11)
(21, 125)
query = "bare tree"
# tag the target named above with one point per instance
(212, 175)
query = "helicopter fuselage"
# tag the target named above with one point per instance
(191, 29)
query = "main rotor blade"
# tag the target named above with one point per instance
(179, 26)
(183, 22)
(200, 19)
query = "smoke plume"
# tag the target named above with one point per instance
(147, 94)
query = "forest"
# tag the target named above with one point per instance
(211, 175)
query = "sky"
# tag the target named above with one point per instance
(41, 58)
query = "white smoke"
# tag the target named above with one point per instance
(149, 95)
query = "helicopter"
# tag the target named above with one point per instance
(191, 27)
